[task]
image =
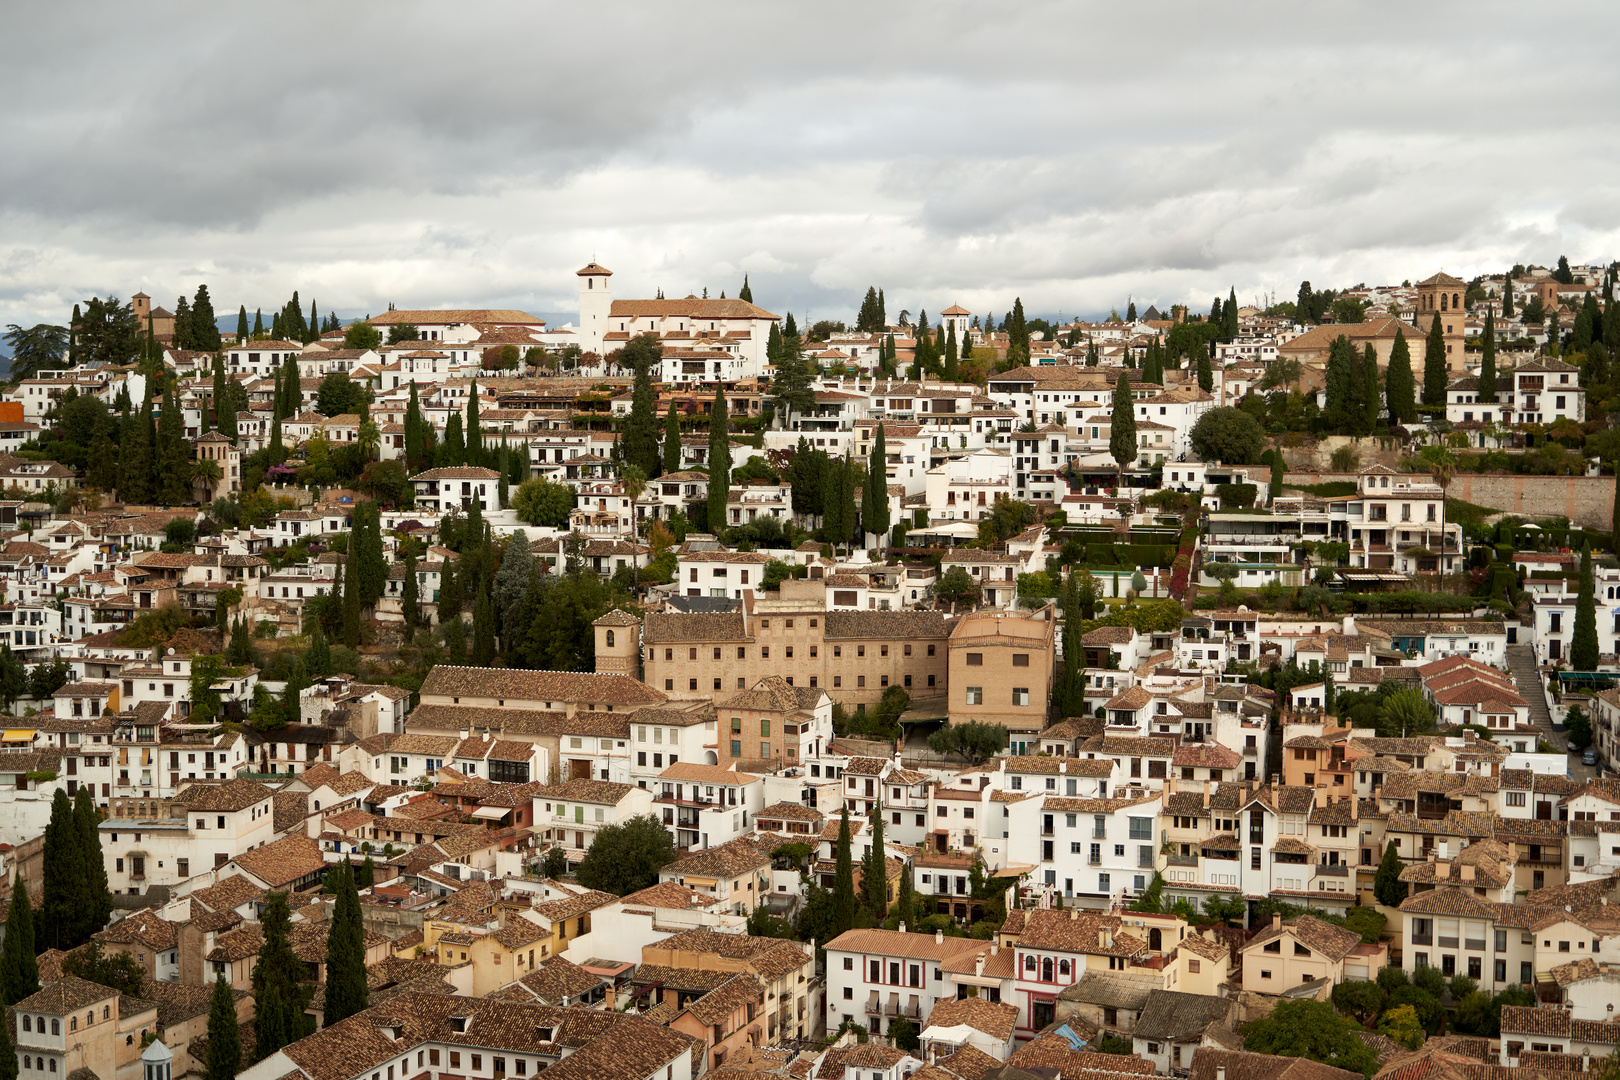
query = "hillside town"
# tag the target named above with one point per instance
(685, 692)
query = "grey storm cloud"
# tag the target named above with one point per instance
(435, 154)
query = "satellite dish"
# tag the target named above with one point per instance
(171, 650)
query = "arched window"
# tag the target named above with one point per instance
(53, 1064)
(1046, 969)
(610, 639)
(89, 1018)
(73, 1023)
(28, 1062)
(28, 1023)
(1063, 968)
(56, 1026)
(1443, 302)
(1456, 303)
(1029, 962)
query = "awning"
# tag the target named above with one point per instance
(18, 735)
(490, 813)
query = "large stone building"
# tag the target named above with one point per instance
(853, 655)
(1000, 670)
(720, 339)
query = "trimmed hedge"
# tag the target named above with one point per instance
(1145, 555)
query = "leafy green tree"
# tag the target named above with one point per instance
(1122, 421)
(973, 742)
(318, 660)
(19, 971)
(1401, 1025)
(640, 436)
(107, 332)
(346, 991)
(626, 856)
(119, 970)
(1434, 365)
(339, 394)
(1228, 910)
(956, 586)
(843, 889)
(1228, 435)
(278, 982)
(1583, 643)
(719, 459)
(543, 502)
(399, 332)
(1312, 1030)
(224, 1034)
(1387, 884)
(1361, 1000)
(792, 384)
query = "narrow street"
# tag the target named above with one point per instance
(1522, 661)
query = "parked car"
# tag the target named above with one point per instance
(1589, 758)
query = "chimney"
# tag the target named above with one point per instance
(1467, 871)
(1355, 807)
(1276, 920)
(902, 926)
(1442, 869)
(1074, 914)
(939, 937)
(1063, 765)
(1206, 794)
(1220, 1072)
(994, 949)
(978, 964)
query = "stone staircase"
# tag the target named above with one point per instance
(1522, 660)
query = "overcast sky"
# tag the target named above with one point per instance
(475, 155)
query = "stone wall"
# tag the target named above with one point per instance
(1587, 501)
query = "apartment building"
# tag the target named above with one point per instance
(853, 655)
(1305, 949)
(875, 977)
(1093, 851)
(1000, 670)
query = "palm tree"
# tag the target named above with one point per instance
(634, 479)
(207, 472)
(370, 440)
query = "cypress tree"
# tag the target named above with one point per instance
(258, 322)
(672, 440)
(241, 325)
(451, 452)
(218, 393)
(278, 452)
(1369, 373)
(19, 971)
(224, 1036)
(204, 326)
(314, 329)
(843, 890)
(319, 658)
(875, 870)
(483, 650)
(1434, 366)
(503, 486)
(346, 992)
(102, 470)
(475, 434)
(450, 592)
(1229, 317)
(135, 454)
(297, 683)
(745, 293)
(1388, 887)
(719, 460)
(8, 1052)
(366, 876)
(73, 335)
(1400, 387)
(226, 411)
(98, 895)
(1122, 424)
(875, 508)
(182, 338)
(277, 982)
(413, 433)
(1206, 377)
(348, 575)
(66, 906)
(1487, 361)
(1507, 295)
(641, 427)
(411, 601)
(950, 354)
(1583, 642)
(174, 454)
(883, 311)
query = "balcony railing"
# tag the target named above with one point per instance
(1182, 860)
(1333, 870)
(1446, 942)
(1422, 939)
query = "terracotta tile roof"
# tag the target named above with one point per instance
(519, 685)
(730, 859)
(994, 1019)
(282, 862)
(557, 980)
(1334, 942)
(970, 1063)
(231, 796)
(67, 994)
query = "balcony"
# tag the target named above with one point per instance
(1181, 860)
(1422, 939)
(1332, 870)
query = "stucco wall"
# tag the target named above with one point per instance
(1586, 500)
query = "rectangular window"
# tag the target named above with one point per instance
(975, 695)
